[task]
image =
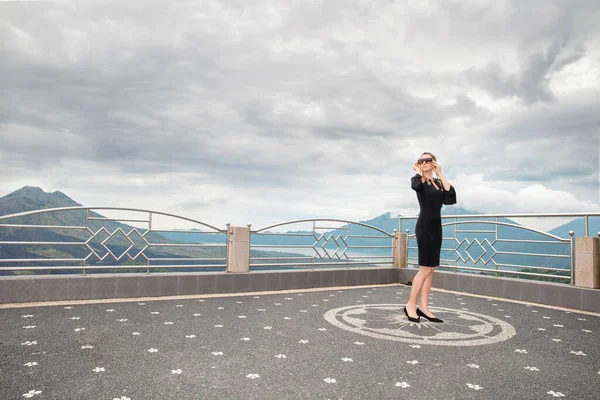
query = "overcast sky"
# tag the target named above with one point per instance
(266, 111)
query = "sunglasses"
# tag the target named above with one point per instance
(424, 161)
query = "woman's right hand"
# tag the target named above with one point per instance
(417, 168)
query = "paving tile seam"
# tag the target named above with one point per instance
(282, 291)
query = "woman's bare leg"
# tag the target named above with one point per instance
(417, 286)
(424, 299)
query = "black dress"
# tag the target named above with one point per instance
(428, 230)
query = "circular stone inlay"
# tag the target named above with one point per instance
(388, 321)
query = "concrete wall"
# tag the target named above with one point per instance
(555, 294)
(24, 289)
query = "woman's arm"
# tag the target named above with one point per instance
(438, 170)
(416, 180)
(444, 181)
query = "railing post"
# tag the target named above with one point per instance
(238, 248)
(572, 250)
(587, 262)
(399, 249)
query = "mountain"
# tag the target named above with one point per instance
(577, 225)
(33, 198)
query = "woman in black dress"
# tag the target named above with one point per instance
(431, 193)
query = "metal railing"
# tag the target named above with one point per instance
(462, 260)
(96, 242)
(78, 239)
(331, 248)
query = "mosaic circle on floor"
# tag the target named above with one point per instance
(388, 321)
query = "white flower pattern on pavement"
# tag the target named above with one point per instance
(32, 393)
(555, 394)
(476, 387)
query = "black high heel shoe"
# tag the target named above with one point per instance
(411, 319)
(431, 319)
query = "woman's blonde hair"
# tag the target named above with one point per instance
(432, 156)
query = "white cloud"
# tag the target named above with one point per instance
(263, 112)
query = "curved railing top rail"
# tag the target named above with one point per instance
(533, 215)
(77, 208)
(322, 219)
(474, 217)
(503, 224)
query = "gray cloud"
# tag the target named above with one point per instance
(308, 95)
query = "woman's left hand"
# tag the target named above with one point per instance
(437, 168)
